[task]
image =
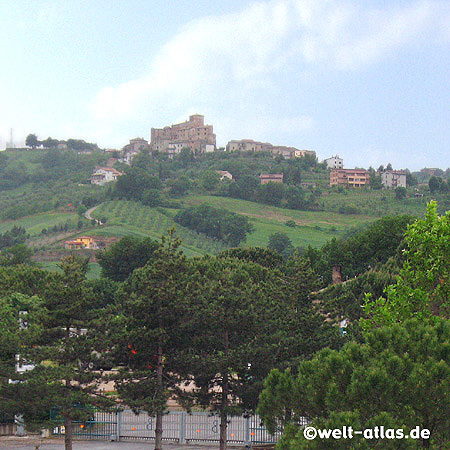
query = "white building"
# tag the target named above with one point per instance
(334, 162)
(393, 178)
(127, 156)
(102, 175)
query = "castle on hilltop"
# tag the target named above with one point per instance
(193, 134)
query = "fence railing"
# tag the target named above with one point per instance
(179, 427)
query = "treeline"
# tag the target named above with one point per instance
(17, 235)
(361, 251)
(42, 167)
(217, 223)
(184, 173)
(73, 144)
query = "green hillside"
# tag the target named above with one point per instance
(126, 217)
(312, 228)
(35, 223)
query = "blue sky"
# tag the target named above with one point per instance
(368, 80)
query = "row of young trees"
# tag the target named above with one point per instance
(220, 323)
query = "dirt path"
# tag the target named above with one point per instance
(88, 216)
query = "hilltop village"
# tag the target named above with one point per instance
(179, 177)
(200, 139)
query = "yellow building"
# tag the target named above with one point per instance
(80, 243)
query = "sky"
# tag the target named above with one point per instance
(366, 80)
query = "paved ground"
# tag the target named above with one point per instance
(29, 443)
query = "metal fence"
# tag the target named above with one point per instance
(179, 427)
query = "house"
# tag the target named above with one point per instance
(303, 153)
(80, 243)
(393, 179)
(349, 177)
(102, 175)
(334, 162)
(127, 156)
(285, 152)
(271, 177)
(224, 174)
(85, 151)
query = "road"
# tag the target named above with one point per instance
(87, 214)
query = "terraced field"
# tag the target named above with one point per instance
(125, 217)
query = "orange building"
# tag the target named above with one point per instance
(349, 177)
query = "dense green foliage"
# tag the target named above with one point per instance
(216, 223)
(361, 251)
(280, 243)
(399, 378)
(262, 256)
(119, 261)
(14, 236)
(423, 286)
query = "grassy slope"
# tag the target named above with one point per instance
(35, 223)
(313, 228)
(94, 269)
(125, 217)
(377, 203)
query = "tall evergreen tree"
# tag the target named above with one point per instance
(151, 307)
(66, 351)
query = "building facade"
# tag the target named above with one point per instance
(194, 134)
(349, 177)
(138, 145)
(334, 162)
(80, 243)
(102, 175)
(393, 179)
(271, 177)
(248, 145)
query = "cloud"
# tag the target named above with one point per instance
(229, 59)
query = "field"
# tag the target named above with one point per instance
(126, 217)
(133, 218)
(375, 203)
(313, 228)
(35, 223)
(94, 269)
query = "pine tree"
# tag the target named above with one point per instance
(66, 352)
(151, 307)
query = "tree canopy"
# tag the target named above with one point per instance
(399, 378)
